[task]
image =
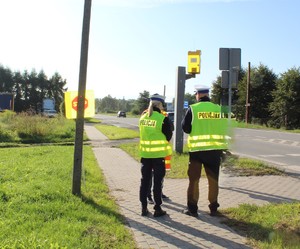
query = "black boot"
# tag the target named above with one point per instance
(145, 211)
(213, 207)
(189, 213)
(159, 212)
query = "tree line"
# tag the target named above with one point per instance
(274, 99)
(30, 88)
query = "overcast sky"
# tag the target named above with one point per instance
(137, 45)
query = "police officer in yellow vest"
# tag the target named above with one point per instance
(155, 134)
(208, 130)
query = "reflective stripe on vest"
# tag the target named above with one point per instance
(208, 137)
(150, 145)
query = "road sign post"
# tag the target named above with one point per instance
(230, 63)
(193, 69)
(179, 101)
(77, 168)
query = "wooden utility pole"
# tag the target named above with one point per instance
(248, 94)
(77, 169)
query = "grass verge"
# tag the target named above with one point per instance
(25, 128)
(115, 133)
(273, 226)
(232, 165)
(179, 162)
(256, 126)
(38, 209)
(248, 167)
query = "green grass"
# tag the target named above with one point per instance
(38, 209)
(257, 126)
(25, 128)
(233, 164)
(179, 162)
(249, 167)
(271, 226)
(115, 133)
(92, 120)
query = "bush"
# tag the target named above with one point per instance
(7, 135)
(7, 116)
(37, 129)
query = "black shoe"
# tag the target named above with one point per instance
(158, 213)
(213, 207)
(150, 200)
(188, 212)
(215, 213)
(164, 196)
(145, 212)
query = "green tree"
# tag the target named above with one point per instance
(219, 95)
(123, 105)
(97, 105)
(26, 86)
(141, 103)
(19, 91)
(263, 82)
(108, 104)
(130, 105)
(56, 88)
(6, 80)
(217, 91)
(42, 88)
(31, 88)
(190, 98)
(34, 93)
(285, 109)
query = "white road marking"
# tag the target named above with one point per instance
(293, 154)
(272, 155)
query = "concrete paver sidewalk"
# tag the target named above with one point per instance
(177, 230)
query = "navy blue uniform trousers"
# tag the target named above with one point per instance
(157, 165)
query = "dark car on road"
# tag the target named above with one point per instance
(121, 114)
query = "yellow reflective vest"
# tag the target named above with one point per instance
(209, 128)
(153, 143)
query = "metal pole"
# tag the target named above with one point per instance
(77, 169)
(247, 96)
(229, 92)
(179, 99)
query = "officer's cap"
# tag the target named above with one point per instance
(158, 97)
(201, 89)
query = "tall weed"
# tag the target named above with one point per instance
(35, 129)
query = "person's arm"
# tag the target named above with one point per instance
(167, 128)
(186, 123)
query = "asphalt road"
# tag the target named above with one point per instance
(278, 148)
